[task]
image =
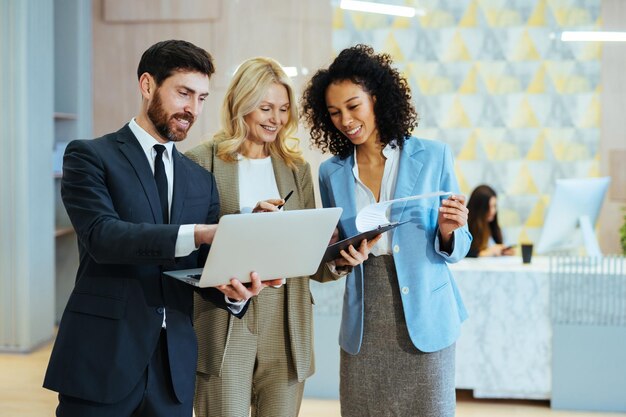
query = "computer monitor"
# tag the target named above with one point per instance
(572, 215)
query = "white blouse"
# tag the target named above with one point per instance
(365, 197)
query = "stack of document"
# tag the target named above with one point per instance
(371, 221)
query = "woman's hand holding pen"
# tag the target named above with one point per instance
(268, 205)
(271, 205)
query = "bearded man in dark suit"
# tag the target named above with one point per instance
(126, 345)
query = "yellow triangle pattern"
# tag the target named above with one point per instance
(535, 218)
(538, 84)
(368, 21)
(567, 16)
(470, 18)
(508, 217)
(559, 73)
(537, 150)
(401, 23)
(576, 84)
(591, 118)
(470, 83)
(591, 51)
(537, 17)
(594, 170)
(357, 20)
(508, 17)
(338, 19)
(439, 85)
(392, 48)
(490, 73)
(437, 19)
(457, 118)
(468, 153)
(508, 85)
(525, 116)
(559, 148)
(464, 186)
(423, 74)
(560, 11)
(504, 151)
(523, 237)
(457, 51)
(491, 15)
(524, 183)
(525, 50)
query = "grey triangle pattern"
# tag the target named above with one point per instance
(491, 110)
(491, 48)
(558, 113)
(562, 114)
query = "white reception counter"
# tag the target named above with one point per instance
(505, 346)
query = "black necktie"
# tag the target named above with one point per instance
(161, 181)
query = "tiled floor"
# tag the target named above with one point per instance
(21, 395)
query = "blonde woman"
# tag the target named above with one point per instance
(259, 363)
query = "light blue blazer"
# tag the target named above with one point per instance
(432, 305)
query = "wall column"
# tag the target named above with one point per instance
(26, 183)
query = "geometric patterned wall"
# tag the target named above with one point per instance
(518, 107)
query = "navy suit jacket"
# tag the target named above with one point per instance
(113, 319)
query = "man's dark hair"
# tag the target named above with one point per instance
(164, 58)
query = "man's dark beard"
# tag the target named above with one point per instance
(160, 120)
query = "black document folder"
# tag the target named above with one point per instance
(332, 252)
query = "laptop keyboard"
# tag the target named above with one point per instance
(194, 276)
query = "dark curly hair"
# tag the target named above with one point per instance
(394, 113)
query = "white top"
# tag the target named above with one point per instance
(365, 197)
(256, 182)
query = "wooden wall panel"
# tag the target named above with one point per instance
(296, 33)
(617, 171)
(160, 10)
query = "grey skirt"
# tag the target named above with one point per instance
(389, 376)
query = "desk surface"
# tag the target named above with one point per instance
(503, 264)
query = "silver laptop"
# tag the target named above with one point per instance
(282, 244)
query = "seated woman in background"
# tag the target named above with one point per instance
(483, 224)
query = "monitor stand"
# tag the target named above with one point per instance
(589, 237)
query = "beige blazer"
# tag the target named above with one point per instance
(214, 325)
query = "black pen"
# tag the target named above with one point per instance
(286, 198)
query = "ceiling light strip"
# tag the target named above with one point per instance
(582, 36)
(369, 7)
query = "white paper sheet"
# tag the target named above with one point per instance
(375, 215)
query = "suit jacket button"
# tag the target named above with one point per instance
(160, 310)
(405, 290)
(396, 248)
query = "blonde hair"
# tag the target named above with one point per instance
(245, 92)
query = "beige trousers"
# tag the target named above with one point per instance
(258, 376)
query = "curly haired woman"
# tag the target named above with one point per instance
(402, 311)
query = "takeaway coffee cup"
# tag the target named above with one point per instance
(527, 252)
